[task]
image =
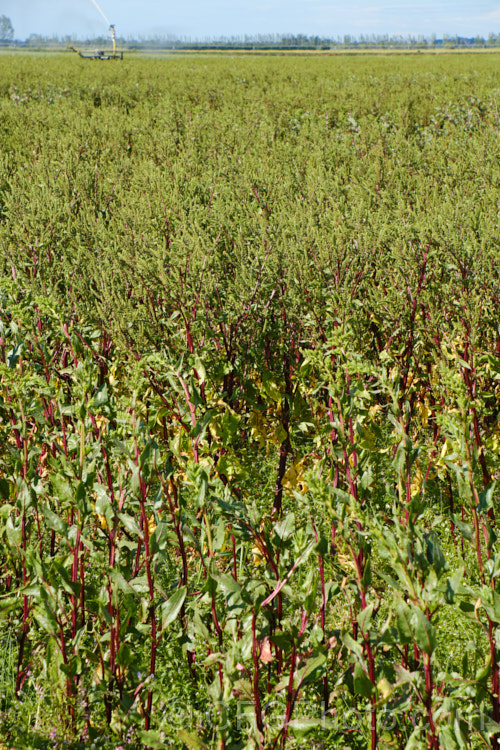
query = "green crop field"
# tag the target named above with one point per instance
(250, 402)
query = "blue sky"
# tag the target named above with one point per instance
(202, 18)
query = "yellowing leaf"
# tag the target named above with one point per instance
(423, 412)
(258, 427)
(374, 410)
(102, 424)
(230, 467)
(270, 387)
(257, 555)
(280, 435)
(293, 476)
(416, 484)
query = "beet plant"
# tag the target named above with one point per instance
(249, 420)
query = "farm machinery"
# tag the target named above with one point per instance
(99, 54)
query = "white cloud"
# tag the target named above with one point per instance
(494, 15)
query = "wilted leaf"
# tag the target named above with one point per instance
(266, 655)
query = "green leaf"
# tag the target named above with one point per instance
(310, 590)
(13, 356)
(464, 528)
(486, 498)
(228, 585)
(365, 618)
(126, 655)
(417, 740)
(404, 676)
(171, 608)
(5, 510)
(82, 499)
(483, 672)
(285, 528)
(281, 640)
(148, 459)
(367, 574)
(191, 741)
(4, 489)
(403, 621)
(53, 521)
(130, 524)
(352, 645)
(400, 458)
(494, 363)
(212, 659)
(468, 608)
(435, 553)
(200, 369)
(101, 397)
(491, 603)
(14, 533)
(485, 725)
(61, 487)
(71, 587)
(152, 739)
(7, 605)
(140, 584)
(362, 683)
(453, 584)
(47, 622)
(493, 566)
(121, 582)
(423, 631)
(301, 727)
(311, 666)
(199, 626)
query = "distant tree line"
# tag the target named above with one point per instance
(256, 41)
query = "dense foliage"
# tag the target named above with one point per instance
(249, 402)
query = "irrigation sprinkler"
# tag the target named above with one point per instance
(99, 54)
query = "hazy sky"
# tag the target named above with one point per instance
(200, 18)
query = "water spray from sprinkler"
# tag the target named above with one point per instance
(100, 11)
